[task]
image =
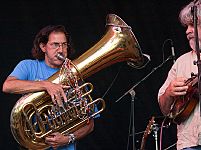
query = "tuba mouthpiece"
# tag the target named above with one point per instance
(60, 57)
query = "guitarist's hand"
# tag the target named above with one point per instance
(177, 87)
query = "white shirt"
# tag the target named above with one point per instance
(189, 131)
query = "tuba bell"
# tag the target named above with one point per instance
(34, 116)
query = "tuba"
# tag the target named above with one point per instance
(34, 116)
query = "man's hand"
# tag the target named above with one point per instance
(56, 91)
(56, 139)
(177, 87)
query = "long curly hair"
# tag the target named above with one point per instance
(42, 37)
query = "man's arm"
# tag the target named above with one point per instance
(16, 86)
(88, 128)
(56, 139)
(176, 87)
(165, 102)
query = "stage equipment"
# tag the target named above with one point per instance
(155, 123)
(184, 105)
(173, 52)
(132, 93)
(34, 116)
(194, 11)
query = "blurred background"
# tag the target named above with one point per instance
(154, 23)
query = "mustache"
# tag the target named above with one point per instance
(190, 36)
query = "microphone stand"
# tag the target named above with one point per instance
(155, 130)
(132, 93)
(195, 19)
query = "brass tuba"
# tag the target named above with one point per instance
(33, 117)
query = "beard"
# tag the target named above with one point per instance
(53, 61)
(192, 43)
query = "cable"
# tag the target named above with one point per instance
(112, 82)
(161, 131)
(170, 146)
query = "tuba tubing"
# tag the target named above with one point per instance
(117, 45)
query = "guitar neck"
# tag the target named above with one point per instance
(142, 147)
(146, 133)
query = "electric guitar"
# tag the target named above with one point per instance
(147, 132)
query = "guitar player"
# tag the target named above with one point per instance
(189, 129)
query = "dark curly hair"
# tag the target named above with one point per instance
(42, 37)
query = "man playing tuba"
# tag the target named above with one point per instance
(30, 76)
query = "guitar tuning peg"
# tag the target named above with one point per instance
(193, 74)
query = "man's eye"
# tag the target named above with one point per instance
(56, 44)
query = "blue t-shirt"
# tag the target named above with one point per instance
(36, 70)
(33, 70)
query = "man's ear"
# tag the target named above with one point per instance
(42, 47)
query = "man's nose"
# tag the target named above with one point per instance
(60, 47)
(189, 29)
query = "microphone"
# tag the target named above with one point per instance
(173, 52)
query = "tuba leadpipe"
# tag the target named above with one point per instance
(34, 111)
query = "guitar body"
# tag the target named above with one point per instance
(184, 105)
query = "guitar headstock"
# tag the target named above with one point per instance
(149, 127)
(147, 132)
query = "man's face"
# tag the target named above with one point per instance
(57, 43)
(191, 37)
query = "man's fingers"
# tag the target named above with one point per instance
(59, 100)
(65, 86)
(64, 97)
(181, 89)
(180, 93)
(53, 99)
